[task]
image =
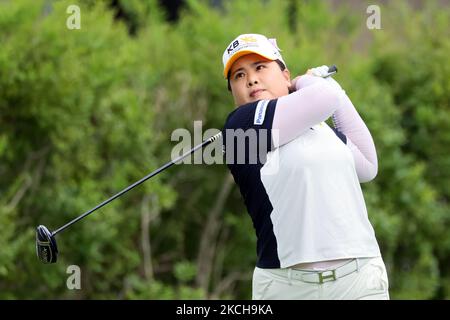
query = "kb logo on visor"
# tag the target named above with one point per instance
(236, 43)
(232, 46)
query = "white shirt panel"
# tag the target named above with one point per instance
(319, 211)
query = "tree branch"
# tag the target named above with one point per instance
(208, 240)
(147, 216)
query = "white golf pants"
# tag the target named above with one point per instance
(360, 279)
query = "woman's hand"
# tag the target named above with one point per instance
(303, 81)
(310, 77)
(313, 76)
(321, 71)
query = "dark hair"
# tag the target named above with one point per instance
(280, 64)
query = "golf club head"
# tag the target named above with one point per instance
(331, 70)
(46, 248)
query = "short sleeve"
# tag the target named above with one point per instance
(247, 133)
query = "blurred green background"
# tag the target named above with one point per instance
(84, 113)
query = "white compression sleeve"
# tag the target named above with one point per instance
(298, 111)
(347, 120)
(313, 102)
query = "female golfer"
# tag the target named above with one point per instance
(300, 178)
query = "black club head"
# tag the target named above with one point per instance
(332, 68)
(46, 248)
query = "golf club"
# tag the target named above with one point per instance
(46, 247)
(331, 70)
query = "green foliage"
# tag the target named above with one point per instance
(185, 271)
(84, 113)
(77, 121)
(137, 288)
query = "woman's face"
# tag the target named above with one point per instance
(253, 78)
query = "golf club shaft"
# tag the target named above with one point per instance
(154, 173)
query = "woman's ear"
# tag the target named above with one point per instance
(287, 76)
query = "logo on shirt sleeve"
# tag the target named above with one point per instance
(260, 112)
